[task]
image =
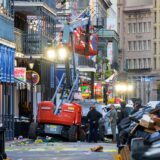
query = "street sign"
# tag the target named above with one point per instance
(20, 73)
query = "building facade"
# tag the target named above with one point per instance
(138, 28)
(34, 27)
(7, 53)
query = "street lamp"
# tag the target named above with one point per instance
(31, 66)
(62, 53)
(124, 89)
(51, 53)
(55, 55)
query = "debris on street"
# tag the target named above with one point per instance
(107, 140)
(97, 149)
(139, 133)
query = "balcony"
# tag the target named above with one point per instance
(33, 7)
(35, 44)
(85, 64)
(109, 34)
(19, 40)
(6, 28)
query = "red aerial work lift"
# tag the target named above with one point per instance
(64, 119)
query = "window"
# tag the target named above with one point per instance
(155, 32)
(155, 63)
(134, 46)
(137, 45)
(144, 45)
(145, 64)
(149, 26)
(140, 45)
(135, 66)
(149, 44)
(129, 28)
(140, 27)
(134, 28)
(155, 17)
(130, 46)
(140, 65)
(149, 63)
(155, 48)
(145, 26)
(127, 63)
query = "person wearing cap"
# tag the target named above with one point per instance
(93, 117)
(113, 121)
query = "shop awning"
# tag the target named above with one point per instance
(112, 77)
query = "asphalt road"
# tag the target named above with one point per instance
(59, 151)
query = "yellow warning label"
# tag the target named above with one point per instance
(71, 108)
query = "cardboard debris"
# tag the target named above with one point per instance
(125, 153)
(149, 123)
(97, 149)
(146, 124)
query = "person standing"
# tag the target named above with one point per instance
(93, 117)
(122, 112)
(113, 121)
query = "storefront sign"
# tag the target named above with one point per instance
(32, 77)
(20, 73)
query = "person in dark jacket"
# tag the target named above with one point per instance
(122, 112)
(93, 117)
(137, 106)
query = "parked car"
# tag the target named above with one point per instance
(108, 131)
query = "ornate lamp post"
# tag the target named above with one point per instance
(31, 66)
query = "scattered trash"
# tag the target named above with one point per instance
(145, 125)
(97, 149)
(37, 141)
(20, 137)
(107, 140)
(21, 142)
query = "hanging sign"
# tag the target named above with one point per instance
(20, 73)
(33, 77)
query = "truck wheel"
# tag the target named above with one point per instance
(72, 134)
(82, 135)
(32, 130)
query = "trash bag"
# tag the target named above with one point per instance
(138, 115)
(154, 137)
(125, 123)
(142, 134)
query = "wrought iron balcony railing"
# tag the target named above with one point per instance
(50, 3)
(6, 28)
(18, 40)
